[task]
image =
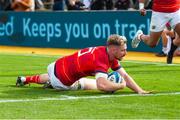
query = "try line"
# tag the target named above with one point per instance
(66, 97)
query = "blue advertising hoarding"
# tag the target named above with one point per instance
(70, 29)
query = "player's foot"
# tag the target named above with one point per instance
(19, 81)
(47, 85)
(171, 53)
(161, 54)
(136, 40)
(76, 86)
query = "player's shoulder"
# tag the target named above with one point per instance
(101, 54)
(101, 48)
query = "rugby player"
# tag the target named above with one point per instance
(68, 72)
(163, 11)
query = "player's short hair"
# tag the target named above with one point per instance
(116, 40)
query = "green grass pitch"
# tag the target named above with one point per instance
(34, 102)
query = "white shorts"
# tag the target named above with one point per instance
(159, 20)
(55, 82)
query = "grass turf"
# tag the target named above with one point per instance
(159, 77)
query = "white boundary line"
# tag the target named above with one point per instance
(65, 97)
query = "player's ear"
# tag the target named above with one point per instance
(113, 48)
(116, 48)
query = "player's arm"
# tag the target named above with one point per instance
(141, 7)
(130, 83)
(25, 4)
(105, 85)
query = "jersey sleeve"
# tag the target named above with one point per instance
(103, 75)
(101, 67)
(115, 65)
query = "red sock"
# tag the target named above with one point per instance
(32, 79)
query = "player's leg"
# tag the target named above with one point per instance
(175, 22)
(89, 84)
(164, 50)
(173, 48)
(176, 41)
(54, 82)
(39, 79)
(170, 39)
(84, 84)
(165, 40)
(151, 40)
(177, 52)
(157, 25)
(176, 26)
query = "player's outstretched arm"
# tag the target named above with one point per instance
(130, 83)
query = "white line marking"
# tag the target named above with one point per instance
(33, 55)
(65, 97)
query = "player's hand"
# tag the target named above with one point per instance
(144, 92)
(143, 12)
(123, 83)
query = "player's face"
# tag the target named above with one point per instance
(120, 51)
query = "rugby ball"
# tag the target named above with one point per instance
(115, 77)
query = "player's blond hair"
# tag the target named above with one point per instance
(116, 40)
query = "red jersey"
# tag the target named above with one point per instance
(166, 6)
(85, 62)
